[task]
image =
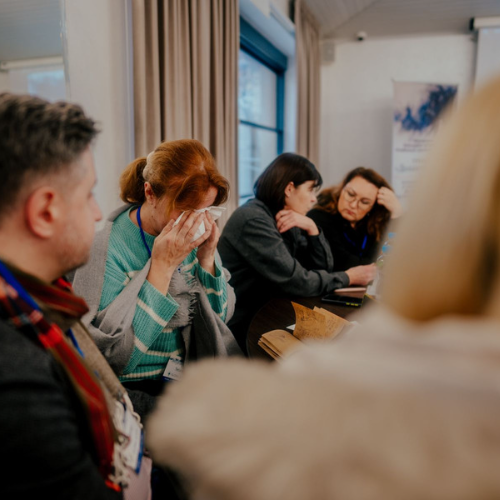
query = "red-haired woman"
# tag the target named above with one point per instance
(157, 293)
(355, 215)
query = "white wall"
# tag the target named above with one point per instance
(98, 61)
(283, 6)
(44, 80)
(488, 55)
(356, 94)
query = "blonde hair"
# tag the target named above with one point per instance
(371, 419)
(445, 258)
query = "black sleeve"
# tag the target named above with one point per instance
(264, 249)
(45, 441)
(343, 257)
(315, 252)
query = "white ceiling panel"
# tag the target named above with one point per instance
(339, 11)
(31, 28)
(344, 18)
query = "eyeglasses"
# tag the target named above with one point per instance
(350, 196)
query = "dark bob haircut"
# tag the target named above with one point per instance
(287, 167)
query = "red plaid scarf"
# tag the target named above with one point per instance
(19, 309)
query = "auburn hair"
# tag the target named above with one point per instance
(377, 219)
(183, 170)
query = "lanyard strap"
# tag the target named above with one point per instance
(9, 277)
(142, 231)
(363, 245)
(11, 280)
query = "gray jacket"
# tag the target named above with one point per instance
(206, 335)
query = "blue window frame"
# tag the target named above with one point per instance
(261, 93)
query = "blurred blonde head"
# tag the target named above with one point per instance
(380, 418)
(446, 257)
(395, 409)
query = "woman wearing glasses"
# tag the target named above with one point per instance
(271, 248)
(354, 216)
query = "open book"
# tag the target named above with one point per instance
(317, 323)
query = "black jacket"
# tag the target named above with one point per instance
(348, 245)
(46, 446)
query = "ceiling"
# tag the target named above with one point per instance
(31, 28)
(377, 18)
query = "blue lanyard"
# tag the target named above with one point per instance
(142, 231)
(11, 280)
(9, 277)
(363, 245)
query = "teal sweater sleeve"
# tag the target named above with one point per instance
(215, 287)
(153, 310)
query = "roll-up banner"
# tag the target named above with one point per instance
(417, 108)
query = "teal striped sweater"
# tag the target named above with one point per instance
(154, 341)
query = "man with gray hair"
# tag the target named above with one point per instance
(63, 413)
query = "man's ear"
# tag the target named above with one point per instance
(42, 211)
(289, 189)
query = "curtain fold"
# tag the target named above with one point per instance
(185, 78)
(308, 82)
(146, 76)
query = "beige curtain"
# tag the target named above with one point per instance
(186, 77)
(308, 82)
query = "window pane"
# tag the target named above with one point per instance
(257, 91)
(47, 84)
(256, 149)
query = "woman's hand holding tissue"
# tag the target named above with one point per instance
(206, 251)
(173, 245)
(206, 236)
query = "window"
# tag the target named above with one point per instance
(49, 84)
(260, 107)
(46, 82)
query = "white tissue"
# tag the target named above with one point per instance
(215, 212)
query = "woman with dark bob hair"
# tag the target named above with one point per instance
(355, 215)
(272, 248)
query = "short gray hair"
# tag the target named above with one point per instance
(38, 138)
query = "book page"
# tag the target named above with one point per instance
(278, 341)
(308, 323)
(334, 323)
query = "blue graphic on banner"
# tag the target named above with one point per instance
(438, 98)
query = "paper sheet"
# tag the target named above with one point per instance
(278, 342)
(334, 323)
(317, 323)
(308, 323)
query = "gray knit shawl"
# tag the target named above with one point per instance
(203, 332)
